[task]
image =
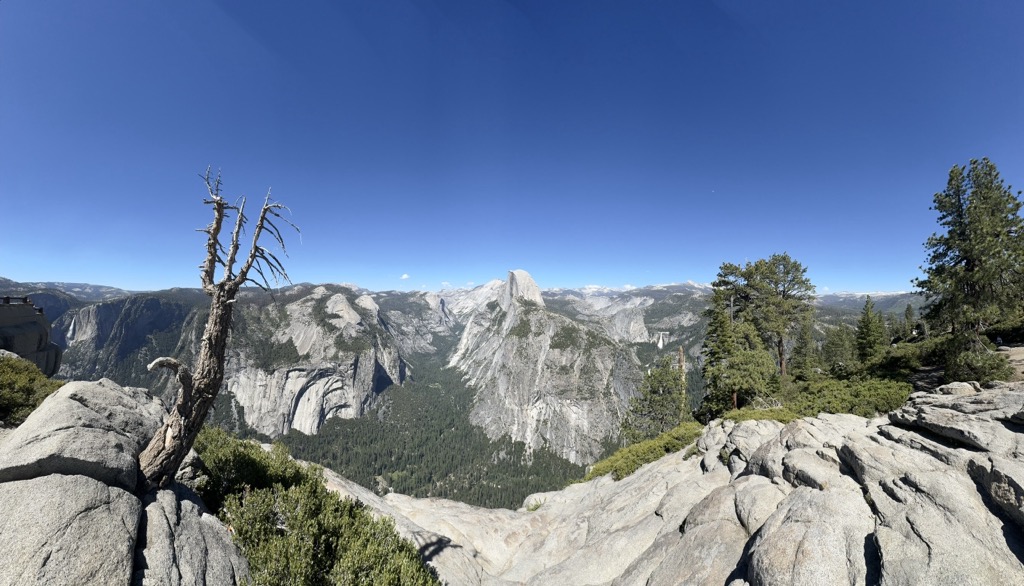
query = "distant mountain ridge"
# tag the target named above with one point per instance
(80, 291)
(551, 367)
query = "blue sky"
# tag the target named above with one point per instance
(588, 142)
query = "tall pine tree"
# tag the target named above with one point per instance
(871, 332)
(974, 273)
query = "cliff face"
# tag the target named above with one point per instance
(930, 494)
(314, 353)
(336, 357)
(542, 378)
(25, 331)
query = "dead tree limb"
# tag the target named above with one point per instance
(160, 459)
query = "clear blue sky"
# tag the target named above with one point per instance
(588, 142)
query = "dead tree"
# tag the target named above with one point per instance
(160, 460)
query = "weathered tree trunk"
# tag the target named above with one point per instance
(160, 459)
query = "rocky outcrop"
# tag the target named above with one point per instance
(542, 378)
(930, 494)
(25, 331)
(68, 477)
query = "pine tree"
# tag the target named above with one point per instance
(781, 295)
(871, 332)
(973, 277)
(660, 406)
(806, 357)
(736, 364)
(773, 294)
(839, 350)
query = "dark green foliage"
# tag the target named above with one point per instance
(975, 266)
(736, 364)
(866, 398)
(292, 529)
(780, 295)
(660, 406)
(781, 414)
(973, 277)
(354, 345)
(971, 358)
(421, 443)
(628, 459)
(805, 360)
(253, 332)
(871, 332)
(567, 336)
(839, 352)
(322, 317)
(752, 306)
(22, 388)
(522, 327)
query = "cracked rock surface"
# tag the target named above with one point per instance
(932, 493)
(68, 476)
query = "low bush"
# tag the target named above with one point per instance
(867, 398)
(292, 529)
(22, 388)
(628, 459)
(780, 414)
(982, 365)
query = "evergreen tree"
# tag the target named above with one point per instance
(839, 350)
(871, 332)
(781, 296)
(773, 294)
(806, 357)
(736, 364)
(974, 267)
(660, 406)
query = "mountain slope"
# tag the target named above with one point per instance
(542, 378)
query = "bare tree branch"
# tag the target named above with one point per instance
(160, 460)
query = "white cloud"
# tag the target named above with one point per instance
(629, 287)
(404, 276)
(445, 284)
(470, 283)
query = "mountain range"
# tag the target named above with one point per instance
(550, 369)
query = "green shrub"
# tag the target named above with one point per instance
(627, 460)
(22, 388)
(982, 365)
(235, 466)
(896, 362)
(780, 414)
(292, 529)
(866, 398)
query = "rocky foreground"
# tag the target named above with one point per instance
(930, 494)
(69, 513)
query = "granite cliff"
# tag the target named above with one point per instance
(25, 331)
(542, 378)
(309, 354)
